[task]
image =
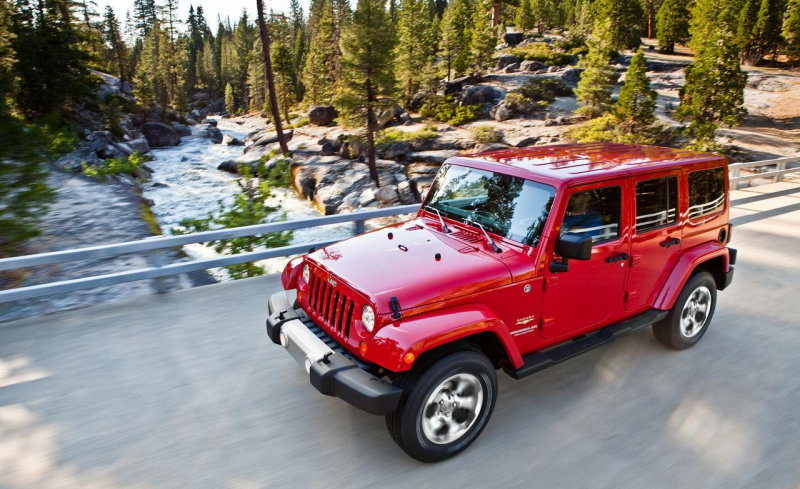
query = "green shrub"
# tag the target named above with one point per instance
(298, 123)
(444, 109)
(116, 166)
(486, 134)
(573, 43)
(542, 52)
(515, 100)
(609, 128)
(546, 89)
(278, 175)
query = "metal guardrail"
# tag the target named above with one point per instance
(734, 169)
(158, 243)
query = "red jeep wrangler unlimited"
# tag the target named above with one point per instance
(518, 259)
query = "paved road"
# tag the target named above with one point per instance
(185, 390)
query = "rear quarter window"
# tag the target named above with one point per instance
(706, 192)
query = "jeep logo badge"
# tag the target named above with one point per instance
(332, 282)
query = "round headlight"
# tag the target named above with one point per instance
(368, 318)
(306, 273)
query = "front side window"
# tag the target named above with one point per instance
(656, 203)
(505, 205)
(706, 192)
(594, 212)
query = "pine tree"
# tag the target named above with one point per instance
(672, 24)
(319, 75)
(791, 31)
(49, 79)
(714, 91)
(145, 15)
(413, 47)
(285, 78)
(637, 101)
(229, 102)
(524, 19)
(456, 36)
(206, 68)
(597, 81)
(242, 42)
(483, 42)
(543, 14)
(114, 39)
(619, 22)
(367, 84)
(760, 34)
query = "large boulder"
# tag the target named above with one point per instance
(388, 194)
(210, 132)
(231, 141)
(457, 84)
(267, 137)
(512, 38)
(501, 112)
(570, 76)
(504, 60)
(478, 94)
(160, 135)
(521, 140)
(322, 115)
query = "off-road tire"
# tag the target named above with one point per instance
(668, 331)
(405, 423)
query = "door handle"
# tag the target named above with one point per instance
(615, 259)
(669, 242)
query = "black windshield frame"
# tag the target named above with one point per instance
(492, 199)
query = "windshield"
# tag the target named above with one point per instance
(507, 206)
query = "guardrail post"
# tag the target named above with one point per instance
(160, 282)
(781, 166)
(361, 227)
(734, 173)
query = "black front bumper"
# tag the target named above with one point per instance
(330, 371)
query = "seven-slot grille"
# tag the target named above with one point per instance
(330, 303)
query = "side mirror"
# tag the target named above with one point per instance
(576, 246)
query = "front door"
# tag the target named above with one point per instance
(656, 239)
(592, 291)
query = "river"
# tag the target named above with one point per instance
(187, 184)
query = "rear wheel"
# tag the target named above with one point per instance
(689, 318)
(445, 405)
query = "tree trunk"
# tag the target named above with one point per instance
(371, 123)
(273, 98)
(650, 24)
(495, 14)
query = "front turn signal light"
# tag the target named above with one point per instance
(362, 347)
(409, 358)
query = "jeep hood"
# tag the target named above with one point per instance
(405, 266)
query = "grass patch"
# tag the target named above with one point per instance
(392, 136)
(150, 220)
(486, 134)
(298, 123)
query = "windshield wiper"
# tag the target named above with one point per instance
(488, 238)
(445, 229)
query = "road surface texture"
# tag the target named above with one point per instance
(185, 390)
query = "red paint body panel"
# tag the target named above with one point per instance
(512, 295)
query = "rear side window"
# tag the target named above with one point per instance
(706, 192)
(594, 212)
(656, 203)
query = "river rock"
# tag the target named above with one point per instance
(228, 140)
(322, 115)
(521, 140)
(366, 197)
(210, 132)
(330, 147)
(160, 135)
(388, 194)
(267, 137)
(139, 145)
(513, 68)
(405, 193)
(458, 84)
(531, 66)
(501, 112)
(397, 150)
(433, 157)
(182, 129)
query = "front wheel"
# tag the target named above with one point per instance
(445, 406)
(689, 318)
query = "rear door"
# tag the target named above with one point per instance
(656, 236)
(591, 292)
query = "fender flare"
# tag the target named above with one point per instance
(421, 333)
(290, 272)
(683, 269)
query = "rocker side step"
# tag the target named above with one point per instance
(535, 362)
